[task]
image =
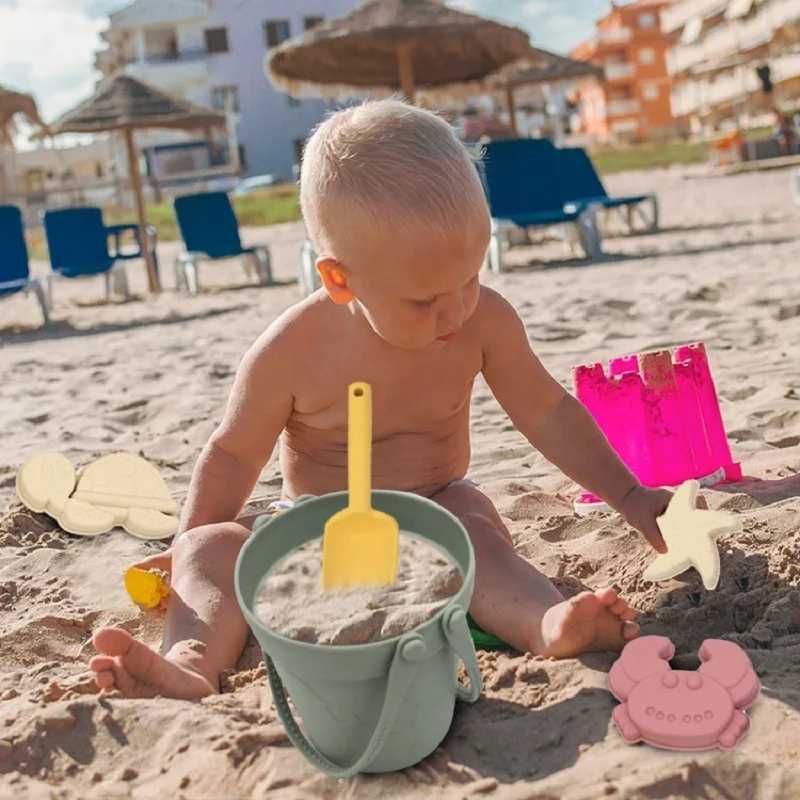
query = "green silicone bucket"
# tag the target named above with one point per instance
(374, 707)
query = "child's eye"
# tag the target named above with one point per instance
(422, 303)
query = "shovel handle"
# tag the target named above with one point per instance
(359, 446)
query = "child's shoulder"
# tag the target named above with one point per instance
(493, 307)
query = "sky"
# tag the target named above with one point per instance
(47, 46)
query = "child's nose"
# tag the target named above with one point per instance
(451, 315)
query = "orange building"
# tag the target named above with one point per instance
(634, 102)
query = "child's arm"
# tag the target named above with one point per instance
(556, 424)
(258, 408)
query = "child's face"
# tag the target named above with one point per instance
(418, 292)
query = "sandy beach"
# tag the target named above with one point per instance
(152, 376)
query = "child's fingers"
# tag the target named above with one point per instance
(161, 561)
(653, 535)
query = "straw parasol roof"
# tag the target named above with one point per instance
(544, 67)
(122, 103)
(389, 45)
(11, 104)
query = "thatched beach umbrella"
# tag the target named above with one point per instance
(11, 104)
(389, 45)
(542, 68)
(124, 104)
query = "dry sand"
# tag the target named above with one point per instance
(152, 377)
(292, 602)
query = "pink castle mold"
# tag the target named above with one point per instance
(661, 414)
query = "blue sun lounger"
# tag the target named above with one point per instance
(210, 230)
(524, 190)
(78, 242)
(581, 182)
(14, 269)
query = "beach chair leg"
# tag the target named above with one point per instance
(192, 277)
(263, 264)
(117, 278)
(656, 212)
(309, 277)
(496, 249)
(589, 234)
(180, 276)
(41, 296)
(48, 287)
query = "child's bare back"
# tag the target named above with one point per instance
(398, 215)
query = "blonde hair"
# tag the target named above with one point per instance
(388, 165)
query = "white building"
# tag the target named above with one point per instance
(719, 44)
(164, 44)
(272, 126)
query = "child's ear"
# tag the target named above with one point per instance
(336, 280)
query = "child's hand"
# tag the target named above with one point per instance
(640, 509)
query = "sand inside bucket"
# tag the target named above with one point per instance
(290, 599)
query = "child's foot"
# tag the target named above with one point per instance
(138, 671)
(589, 621)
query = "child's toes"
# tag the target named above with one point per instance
(630, 630)
(104, 679)
(607, 596)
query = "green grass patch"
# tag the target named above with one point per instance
(649, 155)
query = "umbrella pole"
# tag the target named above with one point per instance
(136, 185)
(406, 68)
(512, 111)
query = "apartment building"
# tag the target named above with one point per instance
(271, 126)
(164, 44)
(634, 102)
(719, 46)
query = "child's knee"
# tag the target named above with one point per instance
(485, 531)
(218, 540)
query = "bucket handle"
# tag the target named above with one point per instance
(410, 650)
(456, 629)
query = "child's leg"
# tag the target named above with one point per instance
(515, 602)
(204, 632)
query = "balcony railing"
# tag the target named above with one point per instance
(734, 36)
(614, 35)
(619, 71)
(171, 58)
(679, 14)
(621, 108)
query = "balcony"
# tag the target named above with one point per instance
(674, 18)
(622, 108)
(619, 71)
(614, 36)
(173, 72)
(734, 37)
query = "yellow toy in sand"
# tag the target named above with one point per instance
(147, 588)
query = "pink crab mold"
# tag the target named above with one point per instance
(660, 412)
(683, 709)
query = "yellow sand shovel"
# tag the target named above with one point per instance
(359, 547)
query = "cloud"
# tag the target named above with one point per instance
(47, 48)
(553, 24)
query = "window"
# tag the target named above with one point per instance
(216, 40)
(292, 102)
(223, 97)
(647, 20)
(276, 31)
(312, 22)
(650, 92)
(647, 55)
